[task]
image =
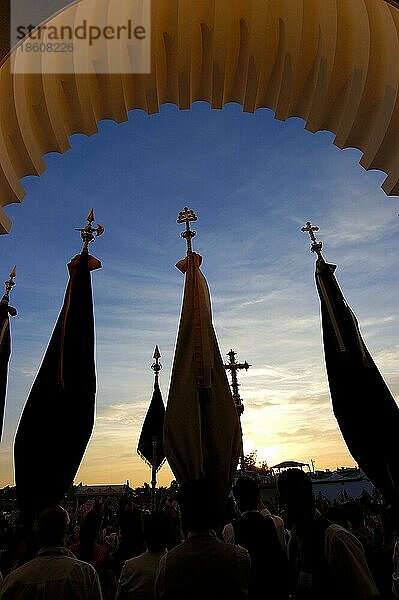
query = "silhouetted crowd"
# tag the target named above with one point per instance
(303, 549)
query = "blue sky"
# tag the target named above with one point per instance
(253, 182)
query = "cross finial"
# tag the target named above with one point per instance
(315, 246)
(87, 232)
(185, 216)
(156, 366)
(233, 367)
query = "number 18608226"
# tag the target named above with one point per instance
(47, 47)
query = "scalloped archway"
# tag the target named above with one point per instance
(333, 63)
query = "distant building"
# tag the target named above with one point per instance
(341, 485)
(86, 492)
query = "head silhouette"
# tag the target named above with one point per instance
(296, 496)
(52, 526)
(246, 493)
(197, 505)
(157, 530)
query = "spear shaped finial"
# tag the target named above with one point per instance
(315, 246)
(9, 285)
(156, 366)
(88, 231)
(185, 216)
(10, 282)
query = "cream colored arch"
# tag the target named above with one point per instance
(333, 63)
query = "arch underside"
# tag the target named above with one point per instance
(332, 63)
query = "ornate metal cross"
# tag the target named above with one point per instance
(316, 246)
(88, 231)
(233, 367)
(186, 216)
